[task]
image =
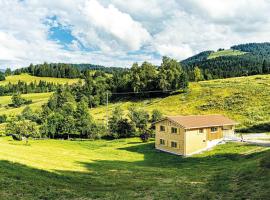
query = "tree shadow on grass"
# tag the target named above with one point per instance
(258, 128)
(157, 176)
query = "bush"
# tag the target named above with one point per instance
(145, 136)
(265, 162)
(18, 101)
(3, 118)
(17, 137)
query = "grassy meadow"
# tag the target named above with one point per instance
(28, 78)
(128, 169)
(227, 52)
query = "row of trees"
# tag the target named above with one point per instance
(25, 88)
(63, 70)
(147, 77)
(59, 70)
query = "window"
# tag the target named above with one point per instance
(174, 130)
(162, 128)
(214, 129)
(162, 142)
(201, 130)
(174, 144)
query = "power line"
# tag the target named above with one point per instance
(123, 93)
(143, 92)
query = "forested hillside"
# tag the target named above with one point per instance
(241, 60)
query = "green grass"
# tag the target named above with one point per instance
(128, 169)
(244, 99)
(38, 100)
(228, 52)
(28, 78)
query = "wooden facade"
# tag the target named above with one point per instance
(174, 138)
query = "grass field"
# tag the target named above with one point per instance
(38, 100)
(244, 99)
(28, 78)
(227, 52)
(128, 169)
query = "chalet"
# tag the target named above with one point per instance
(187, 135)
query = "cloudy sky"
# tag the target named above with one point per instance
(120, 32)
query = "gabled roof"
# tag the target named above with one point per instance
(200, 121)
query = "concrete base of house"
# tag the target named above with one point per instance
(210, 145)
(169, 152)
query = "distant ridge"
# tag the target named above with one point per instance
(239, 60)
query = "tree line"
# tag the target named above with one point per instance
(64, 70)
(25, 88)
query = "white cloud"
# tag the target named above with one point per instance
(119, 32)
(120, 25)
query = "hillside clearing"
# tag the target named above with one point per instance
(128, 169)
(38, 100)
(227, 52)
(13, 79)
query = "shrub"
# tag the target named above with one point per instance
(3, 118)
(145, 136)
(17, 137)
(18, 101)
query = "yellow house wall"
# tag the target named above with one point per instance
(169, 137)
(195, 141)
(215, 135)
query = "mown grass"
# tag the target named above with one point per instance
(28, 78)
(227, 52)
(128, 169)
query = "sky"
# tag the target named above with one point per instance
(120, 32)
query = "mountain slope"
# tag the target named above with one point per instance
(240, 60)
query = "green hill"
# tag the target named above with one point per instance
(239, 60)
(244, 99)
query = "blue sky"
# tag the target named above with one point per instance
(118, 32)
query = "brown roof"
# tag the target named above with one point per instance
(201, 121)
